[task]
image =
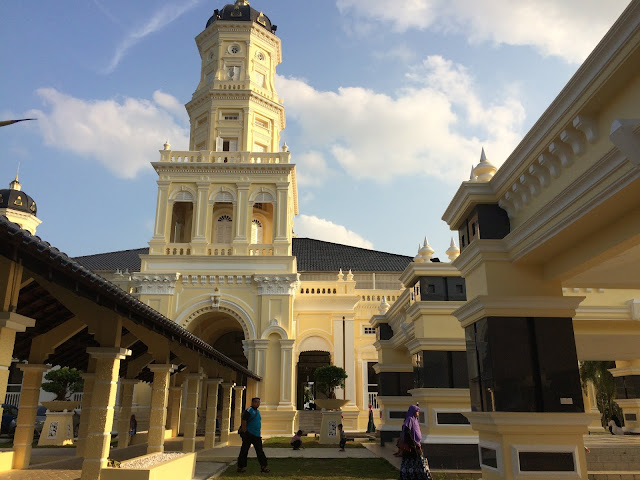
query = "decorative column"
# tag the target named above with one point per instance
(87, 393)
(175, 405)
(127, 386)
(29, 396)
(200, 213)
(96, 449)
(159, 233)
(286, 375)
(225, 422)
(241, 220)
(338, 350)
(237, 414)
(158, 414)
(190, 412)
(260, 347)
(350, 362)
(212, 412)
(281, 213)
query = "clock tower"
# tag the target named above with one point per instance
(234, 192)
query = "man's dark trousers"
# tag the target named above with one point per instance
(247, 441)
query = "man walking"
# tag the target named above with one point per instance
(250, 431)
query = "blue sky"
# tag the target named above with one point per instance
(388, 105)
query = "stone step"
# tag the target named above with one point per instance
(614, 475)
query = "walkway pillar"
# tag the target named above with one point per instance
(29, 396)
(173, 414)
(85, 412)
(212, 412)
(158, 414)
(190, 412)
(239, 407)
(10, 324)
(260, 356)
(126, 408)
(96, 449)
(225, 421)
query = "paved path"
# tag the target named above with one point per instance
(228, 454)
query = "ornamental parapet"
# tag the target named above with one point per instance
(210, 156)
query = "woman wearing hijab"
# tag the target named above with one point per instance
(414, 465)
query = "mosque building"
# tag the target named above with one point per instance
(227, 303)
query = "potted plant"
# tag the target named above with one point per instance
(327, 379)
(63, 382)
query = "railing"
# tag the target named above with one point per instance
(13, 398)
(205, 156)
(260, 250)
(373, 400)
(178, 249)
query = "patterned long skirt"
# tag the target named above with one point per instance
(414, 468)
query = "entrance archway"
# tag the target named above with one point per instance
(307, 364)
(223, 332)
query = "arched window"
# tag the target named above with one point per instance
(223, 197)
(224, 229)
(256, 231)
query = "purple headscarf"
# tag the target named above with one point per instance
(411, 423)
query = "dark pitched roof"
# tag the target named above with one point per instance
(318, 256)
(313, 256)
(121, 260)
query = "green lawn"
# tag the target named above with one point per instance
(307, 442)
(317, 469)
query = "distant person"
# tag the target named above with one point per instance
(133, 425)
(250, 428)
(343, 437)
(296, 440)
(615, 426)
(414, 466)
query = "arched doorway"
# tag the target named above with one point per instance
(223, 332)
(307, 364)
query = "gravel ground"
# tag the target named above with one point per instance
(150, 460)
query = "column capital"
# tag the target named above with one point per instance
(228, 385)
(282, 185)
(116, 353)
(124, 381)
(175, 389)
(243, 185)
(33, 367)
(239, 388)
(215, 381)
(162, 367)
(15, 321)
(287, 344)
(261, 344)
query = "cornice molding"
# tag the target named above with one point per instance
(517, 306)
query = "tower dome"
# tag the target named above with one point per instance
(19, 207)
(241, 11)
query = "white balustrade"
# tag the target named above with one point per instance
(207, 156)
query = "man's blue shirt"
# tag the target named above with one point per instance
(254, 421)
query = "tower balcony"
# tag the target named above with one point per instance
(209, 156)
(212, 249)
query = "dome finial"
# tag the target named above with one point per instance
(167, 145)
(15, 184)
(418, 258)
(426, 252)
(285, 147)
(453, 251)
(384, 306)
(484, 171)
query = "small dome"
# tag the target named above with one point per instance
(15, 199)
(241, 11)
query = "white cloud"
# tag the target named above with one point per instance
(160, 19)
(123, 135)
(311, 168)
(435, 128)
(321, 229)
(569, 29)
